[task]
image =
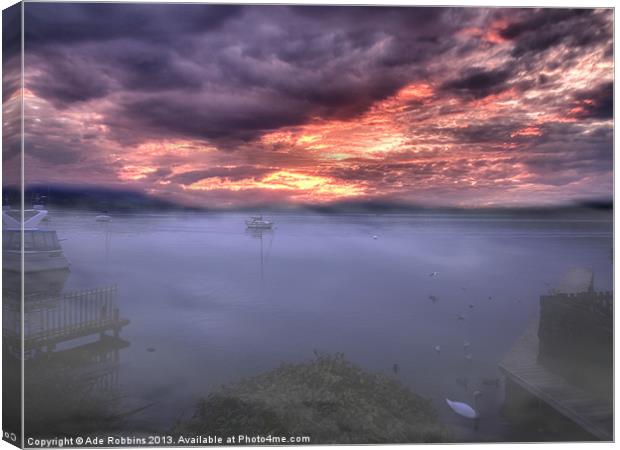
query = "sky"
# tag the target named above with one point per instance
(222, 106)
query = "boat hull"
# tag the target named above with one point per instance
(266, 226)
(35, 261)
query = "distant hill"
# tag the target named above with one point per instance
(125, 200)
(386, 207)
(90, 198)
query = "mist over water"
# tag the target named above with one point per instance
(211, 302)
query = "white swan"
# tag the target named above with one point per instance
(462, 409)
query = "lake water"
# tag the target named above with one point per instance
(210, 302)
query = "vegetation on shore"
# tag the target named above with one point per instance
(328, 399)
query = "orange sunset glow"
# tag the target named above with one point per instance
(500, 107)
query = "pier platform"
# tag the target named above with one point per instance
(521, 367)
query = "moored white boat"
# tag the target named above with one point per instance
(257, 222)
(41, 247)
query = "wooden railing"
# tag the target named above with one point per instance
(51, 320)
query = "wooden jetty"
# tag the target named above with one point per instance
(522, 367)
(49, 321)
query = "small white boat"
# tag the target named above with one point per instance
(41, 247)
(103, 218)
(257, 222)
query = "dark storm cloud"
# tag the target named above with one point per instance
(235, 72)
(69, 78)
(87, 51)
(57, 23)
(231, 74)
(596, 103)
(150, 69)
(541, 19)
(540, 29)
(57, 152)
(208, 116)
(411, 35)
(478, 83)
(11, 33)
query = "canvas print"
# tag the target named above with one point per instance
(302, 224)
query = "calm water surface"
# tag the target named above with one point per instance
(210, 302)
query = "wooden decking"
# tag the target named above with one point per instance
(521, 366)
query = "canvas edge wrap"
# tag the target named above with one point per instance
(12, 195)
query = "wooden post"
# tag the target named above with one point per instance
(116, 320)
